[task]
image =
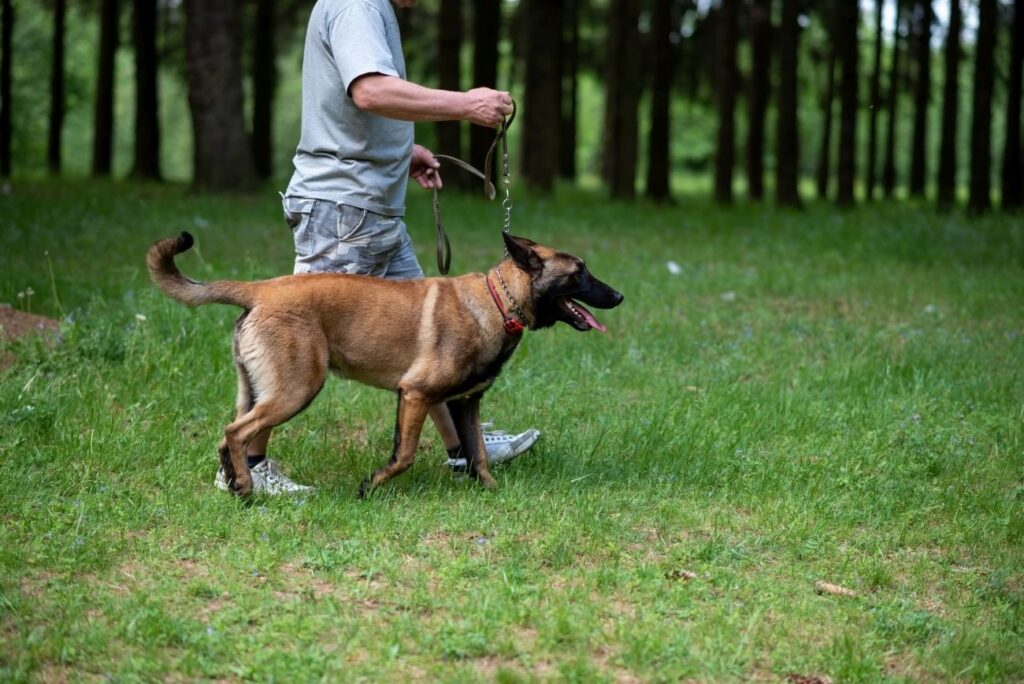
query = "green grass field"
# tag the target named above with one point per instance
(813, 396)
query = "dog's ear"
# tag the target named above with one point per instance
(521, 251)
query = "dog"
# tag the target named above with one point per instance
(431, 340)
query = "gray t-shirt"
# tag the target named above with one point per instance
(345, 154)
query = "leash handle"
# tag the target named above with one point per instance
(443, 245)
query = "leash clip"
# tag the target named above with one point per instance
(513, 327)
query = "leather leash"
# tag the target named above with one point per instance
(444, 247)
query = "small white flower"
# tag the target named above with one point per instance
(674, 268)
(140, 317)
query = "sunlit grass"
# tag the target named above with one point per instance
(810, 396)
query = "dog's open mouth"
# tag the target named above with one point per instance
(580, 318)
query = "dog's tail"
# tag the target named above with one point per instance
(168, 278)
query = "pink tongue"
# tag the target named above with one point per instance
(590, 319)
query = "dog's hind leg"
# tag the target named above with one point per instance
(466, 414)
(280, 385)
(412, 411)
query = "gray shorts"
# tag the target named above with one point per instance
(340, 238)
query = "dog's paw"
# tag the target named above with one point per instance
(241, 488)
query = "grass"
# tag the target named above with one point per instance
(813, 396)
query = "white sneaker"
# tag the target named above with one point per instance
(268, 479)
(501, 447)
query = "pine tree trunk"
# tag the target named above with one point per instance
(570, 87)
(6, 38)
(760, 86)
(103, 122)
(876, 97)
(950, 108)
(725, 94)
(980, 199)
(147, 120)
(828, 97)
(661, 90)
(213, 56)
(486, 35)
(622, 97)
(263, 64)
(542, 107)
(53, 148)
(1012, 187)
(889, 165)
(449, 72)
(922, 94)
(787, 141)
(849, 49)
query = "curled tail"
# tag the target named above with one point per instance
(174, 284)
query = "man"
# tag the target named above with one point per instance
(346, 198)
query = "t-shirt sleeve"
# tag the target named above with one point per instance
(358, 40)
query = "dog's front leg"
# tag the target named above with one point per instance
(466, 414)
(412, 411)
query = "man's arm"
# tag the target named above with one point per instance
(396, 98)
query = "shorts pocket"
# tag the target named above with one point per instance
(352, 226)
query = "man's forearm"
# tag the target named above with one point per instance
(398, 99)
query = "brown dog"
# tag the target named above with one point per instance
(433, 340)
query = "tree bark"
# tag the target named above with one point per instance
(1012, 187)
(147, 120)
(849, 50)
(263, 64)
(980, 199)
(103, 122)
(570, 87)
(53, 148)
(658, 168)
(6, 39)
(876, 97)
(787, 141)
(828, 97)
(725, 94)
(946, 191)
(222, 154)
(486, 35)
(449, 72)
(621, 99)
(889, 165)
(542, 109)
(922, 22)
(760, 87)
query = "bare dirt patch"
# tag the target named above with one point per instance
(15, 325)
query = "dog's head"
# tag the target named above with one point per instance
(560, 286)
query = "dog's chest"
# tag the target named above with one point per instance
(481, 376)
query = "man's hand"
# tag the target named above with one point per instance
(423, 168)
(487, 107)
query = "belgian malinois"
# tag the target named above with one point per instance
(432, 340)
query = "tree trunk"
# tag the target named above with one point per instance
(787, 142)
(849, 18)
(570, 67)
(6, 38)
(449, 72)
(263, 63)
(828, 97)
(103, 123)
(980, 199)
(876, 97)
(542, 109)
(889, 165)
(950, 108)
(1012, 182)
(760, 86)
(922, 23)
(147, 120)
(622, 96)
(725, 94)
(486, 35)
(222, 154)
(53, 148)
(658, 143)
